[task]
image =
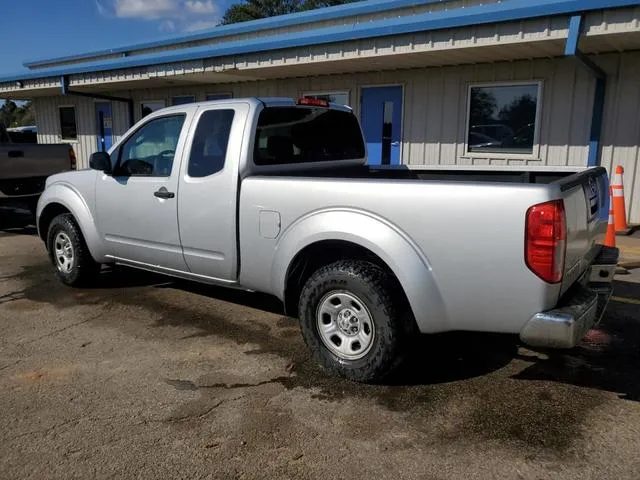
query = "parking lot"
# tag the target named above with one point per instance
(146, 377)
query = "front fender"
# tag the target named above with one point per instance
(387, 241)
(69, 197)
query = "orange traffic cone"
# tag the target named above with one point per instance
(610, 239)
(618, 201)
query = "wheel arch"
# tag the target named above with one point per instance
(58, 199)
(324, 237)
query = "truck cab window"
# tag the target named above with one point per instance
(210, 142)
(151, 150)
(307, 134)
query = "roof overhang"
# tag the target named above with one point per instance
(514, 30)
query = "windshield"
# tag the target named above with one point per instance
(307, 134)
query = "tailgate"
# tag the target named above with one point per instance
(23, 160)
(586, 203)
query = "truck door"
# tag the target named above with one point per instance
(136, 208)
(207, 206)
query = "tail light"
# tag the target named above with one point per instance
(72, 158)
(313, 102)
(546, 240)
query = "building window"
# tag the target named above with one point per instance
(68, 128)
(183, 100)
(151, 106)
(218, 96)
(503, 119)
(341, 98)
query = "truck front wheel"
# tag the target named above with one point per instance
(69, 253)
(351, 320)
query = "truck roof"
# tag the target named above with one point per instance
(256, 101)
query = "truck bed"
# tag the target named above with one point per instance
(468, 224)
(527, 175)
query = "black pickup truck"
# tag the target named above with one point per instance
(25, 165)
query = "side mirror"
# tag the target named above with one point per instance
(100, 161)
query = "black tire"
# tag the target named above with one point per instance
(84, 269)
(392, 320)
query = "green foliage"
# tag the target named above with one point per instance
(12, 115)
(256, 9)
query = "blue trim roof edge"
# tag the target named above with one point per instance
(499, 12)
(301, 18)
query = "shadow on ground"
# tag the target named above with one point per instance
(17, 221)
(609, 359)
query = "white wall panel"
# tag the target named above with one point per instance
(435, 107)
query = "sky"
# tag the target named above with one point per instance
(41, 29)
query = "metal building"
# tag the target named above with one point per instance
(438, 82)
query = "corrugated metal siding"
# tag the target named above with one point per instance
(621, 135)
(435, 106)
(48, 121)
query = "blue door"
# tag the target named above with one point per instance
(104, 122)
(381, 117)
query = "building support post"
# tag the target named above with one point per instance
(597, 112)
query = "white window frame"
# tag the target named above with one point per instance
(230, 95)
(75, 116)
(535, 151)
(329, 92)
(142, 102)
(182, 96)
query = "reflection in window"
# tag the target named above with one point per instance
(209, 147)
(300, 135)
(340, 98)
(150, 107)
(150, 151)
(502, 118)
(218, 96)
(183, 100)
(68, 130)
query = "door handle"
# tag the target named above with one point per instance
(395, 144)
(15, 153)
(163, 193)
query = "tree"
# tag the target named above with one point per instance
(12, 115)
(8, 113)
(256, 9)
(483, 106)
(519, 113)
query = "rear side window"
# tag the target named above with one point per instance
(306, 134)
(210, 142)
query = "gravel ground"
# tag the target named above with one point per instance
(145, 377)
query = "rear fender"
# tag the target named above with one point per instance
(65, 194)
(393, 246)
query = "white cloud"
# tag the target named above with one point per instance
(201, 25)
(186, 15)
(200, 7)
(147, 9)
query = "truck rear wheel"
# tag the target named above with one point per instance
(69, 253)
(351, 320)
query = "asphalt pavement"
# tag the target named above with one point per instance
(147, 377)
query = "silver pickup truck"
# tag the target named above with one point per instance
(274, 195)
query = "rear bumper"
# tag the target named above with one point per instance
(580, 308)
